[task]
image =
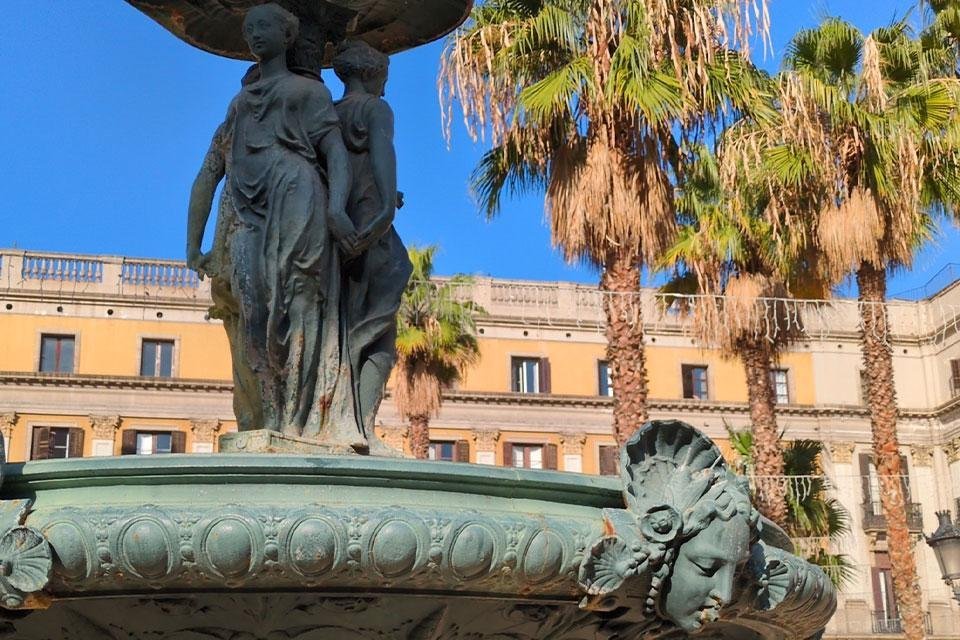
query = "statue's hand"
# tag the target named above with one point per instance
(345, 233)
(200, 262)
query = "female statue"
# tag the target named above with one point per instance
(375, 276)
(290, 229)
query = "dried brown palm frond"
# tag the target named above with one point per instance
(873, 82)
(600, 197)
(850, 233)
(417, 390)
(753, 306)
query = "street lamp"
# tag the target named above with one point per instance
(945, 542)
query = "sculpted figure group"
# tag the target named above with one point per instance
(307, 270)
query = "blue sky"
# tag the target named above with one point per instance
(106, 118)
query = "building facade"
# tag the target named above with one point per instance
(103, 355)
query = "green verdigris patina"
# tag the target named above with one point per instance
(251, 546)
(307, 268)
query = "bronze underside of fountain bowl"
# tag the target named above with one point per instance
(389, 25)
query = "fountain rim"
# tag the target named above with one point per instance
(243, 468)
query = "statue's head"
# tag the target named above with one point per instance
(269, 30)
(686, 532)
(357, 59)
(713, 544)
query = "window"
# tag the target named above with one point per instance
(603, 377)
(886, 618)
(873, 515)
(56, 353)
(608, 459)
(449, 450)
(530, 375)
(153, 442)
(694, 381)
(530, 456)
(954, 378)
(781, 390)
(56, 442)
(156, 358)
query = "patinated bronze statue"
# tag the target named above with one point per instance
(307, 268)
(374, 278)
(287, 183)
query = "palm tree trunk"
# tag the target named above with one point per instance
(878, 367)
(620, 284)
(757, 357)
(420, 436)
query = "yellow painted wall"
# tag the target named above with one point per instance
(573, 366)
(107, 346)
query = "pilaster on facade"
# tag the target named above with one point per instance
(953, 450)
(571, 447)
(841, 452)
(8, 422)
(104, 434)
(486, 444)
(204, 434)
(921, 455)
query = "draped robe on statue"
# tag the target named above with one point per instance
(285, 263)
(375, 280)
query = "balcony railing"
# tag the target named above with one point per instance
(61, 268)
(887, 625)
(158, 273)
(875, 520)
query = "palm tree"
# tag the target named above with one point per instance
(738, 265)
(811, 514)
(436, 343)
(867, 146)
(583, 100)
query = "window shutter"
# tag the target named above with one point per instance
(608, 460)
(76, 443)
(178, 442)
(128, 443)
(865, 477)
(41, 443)
(686, 375)
(461, 451)
(508, 454)
(550, 456)
(905, 482)
(544, 375)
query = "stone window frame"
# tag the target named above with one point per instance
(174, 357)
(53, 424)
(38, 347)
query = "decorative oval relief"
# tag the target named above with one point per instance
(312, 547)
(394, 549)
(73, 557)
(230, 547)
(145, 548)
(544, 557)
(472, 552)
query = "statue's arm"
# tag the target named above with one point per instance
(383, 160)
(338, 177)
(201, 199)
